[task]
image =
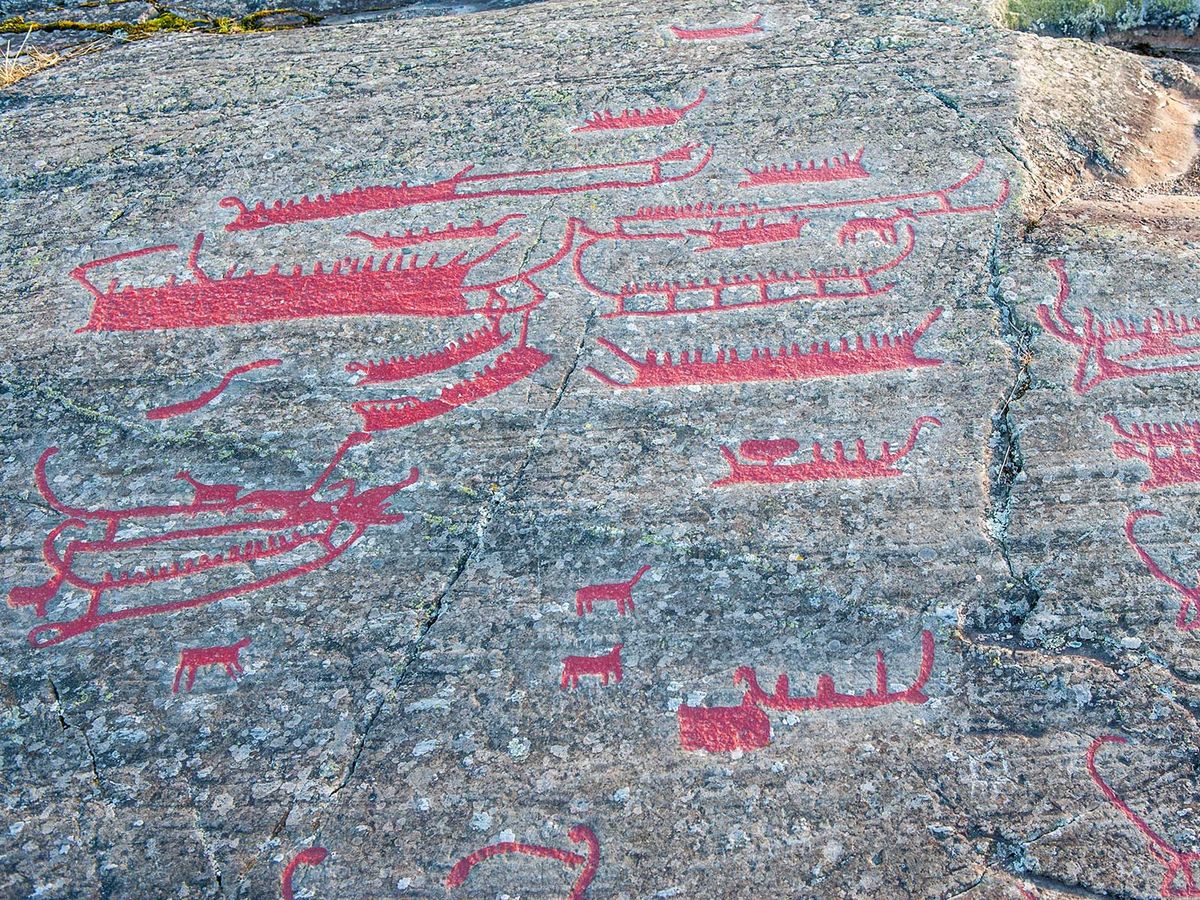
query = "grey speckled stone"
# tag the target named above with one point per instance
(401, 706)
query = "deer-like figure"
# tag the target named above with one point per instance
(209, 493)
(604, 666)
(619, 592)
(195, 658)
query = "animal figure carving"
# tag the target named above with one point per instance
(1177, 862)
(309, 856)
(882, 228)
(259, 538)
(1188, 618)
(604, 666)
(579, 834)
(209, 493)
(193, 659)
(619, 592)
(717, 729)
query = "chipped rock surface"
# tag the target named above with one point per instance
(881, 597)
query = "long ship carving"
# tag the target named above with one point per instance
(394, 285)
(400, 368)
(841, 168)
(640, 118)
(1171, 450)
(718, 32)
(464, 185)
(748, 234)
(510, 367)
(452, 232)
(1158, 337)
(765, 467)
(794, 363)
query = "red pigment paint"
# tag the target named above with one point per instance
(764, 461)
(841, 168)
(1158, 336)
(579, 834)
(866, 356)
(605, 666)
(639, 118)
(193, 659)
(452, 232)
(717, 32)
(1178, 862)
(189, 406)
(509, 368)
(464, 186)
(827, 696)
(401, 368)
(1171, 450)
(252, 526)
(395, 285)
(719, 729)
(619, 592)
(1188, 618)
(310, 856)
(747, 234)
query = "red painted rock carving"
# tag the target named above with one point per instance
(1178, 862)
(605, 666)
(882, 227)
(619, 592)
(943, 205)
(841, 168)
(1188, 618)
(639, 118)
(259, 527)
(510, 367)
(754, 26)
(865, 356)
(1178, 441)
(1158, 337)
(828, 697)
(401, 368)
(309, 856)
(718, 729)
(463, 186)
(765, 455)
(195, 658)
(579, 834)
(753, 289)
(189, 406)
(747, 234)
(452, 232)
(350, 287)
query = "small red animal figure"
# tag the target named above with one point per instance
(309, 856)
(194, 658)
(882, 228)
(209, 493)
(621, 592)
(723, 728)
(602, 666)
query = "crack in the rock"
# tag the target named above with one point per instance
(67, 726)
(206, 847)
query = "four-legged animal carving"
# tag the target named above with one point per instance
(195, 658)
(209, 493)
(602, 666)
(620, 592)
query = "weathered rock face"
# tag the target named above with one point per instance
(225, 646)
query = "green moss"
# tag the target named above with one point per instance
(167, 20)
(1086, 18)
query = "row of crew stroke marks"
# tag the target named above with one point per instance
(765, 466)
(464, 185)
(393, 285)
(1156, 339)
(1170, 450)
(746, 727)
(1179, 879)
(407, 286)
(263, 537)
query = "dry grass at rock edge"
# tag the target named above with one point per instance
(25, 61)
